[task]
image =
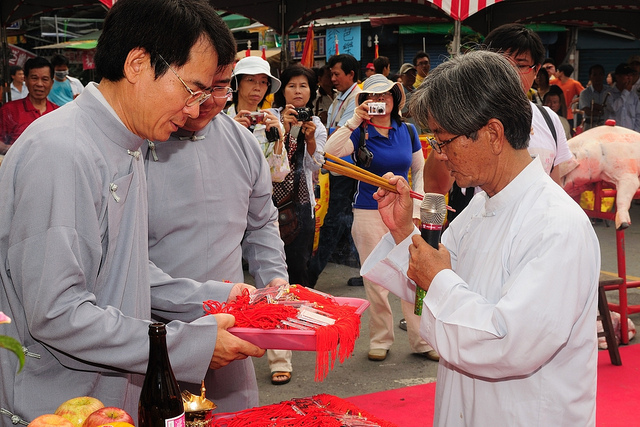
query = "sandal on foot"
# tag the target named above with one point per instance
(276, 377)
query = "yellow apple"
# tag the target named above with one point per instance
(107, 416)
(50, 420)
(78, 409)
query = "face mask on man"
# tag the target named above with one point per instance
(61, 75)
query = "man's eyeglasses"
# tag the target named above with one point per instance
(526, 69)
(422, 63)
(437, 146)
(195, 98)
(221, 92)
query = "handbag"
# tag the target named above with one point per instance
(287, 215)
(288, 220)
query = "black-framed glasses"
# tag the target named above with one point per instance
(195, 98)
(437, 146)
(221, 92)
(526, 69)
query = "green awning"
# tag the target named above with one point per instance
(234, 20)
(447, 28)
(443, 28)
(546, 28)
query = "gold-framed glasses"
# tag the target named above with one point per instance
(195, 98)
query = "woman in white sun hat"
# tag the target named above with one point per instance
(381, 143)
(252, 82)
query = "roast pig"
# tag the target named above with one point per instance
(605, 153)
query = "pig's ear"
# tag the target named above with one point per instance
(565, 167)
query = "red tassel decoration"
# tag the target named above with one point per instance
(332, 341)
(323, 410)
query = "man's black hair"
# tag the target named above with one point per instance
(161, 27)
(347, 62)
(58, 60)
(37, 62)
(516, 39)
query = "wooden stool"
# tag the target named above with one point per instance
(605, 317)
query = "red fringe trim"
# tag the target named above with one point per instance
(323, 410)
(333, 341)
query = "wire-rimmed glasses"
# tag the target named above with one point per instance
(195, 98)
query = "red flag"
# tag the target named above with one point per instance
(264, 52)
(248, 53)
(337, 46)
(376, 54)
(308, 50)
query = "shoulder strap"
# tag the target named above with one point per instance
(547, 119)
(552, 128)
(412, 131)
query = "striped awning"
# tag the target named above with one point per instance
(462, 9)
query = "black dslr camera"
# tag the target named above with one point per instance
(304, 114)
(272, 134)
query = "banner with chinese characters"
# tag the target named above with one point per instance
(296, 47)
(18, 56)
(345, 39)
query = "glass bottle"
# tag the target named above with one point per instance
(160, 402)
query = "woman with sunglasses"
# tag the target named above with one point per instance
(252, 82)
(381, 142)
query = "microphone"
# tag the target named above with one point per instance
(432, 214)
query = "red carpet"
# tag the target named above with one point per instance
(618, 396)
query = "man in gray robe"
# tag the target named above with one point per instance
(210, 204)
(76, 277)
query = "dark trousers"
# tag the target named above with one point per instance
(299, 250)
(337, 222)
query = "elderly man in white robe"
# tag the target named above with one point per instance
(76, 278)
(511, 294)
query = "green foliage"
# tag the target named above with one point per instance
(14, 346)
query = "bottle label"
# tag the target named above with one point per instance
(178, 421)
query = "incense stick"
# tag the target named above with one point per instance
(352, 171)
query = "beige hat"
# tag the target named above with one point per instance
(406, 67)
(378, 83)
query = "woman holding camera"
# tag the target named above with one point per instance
(381, 143)
(252, 82)
(305, 136)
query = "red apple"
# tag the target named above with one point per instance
(78, 409)
(50, 420)
(107, 415)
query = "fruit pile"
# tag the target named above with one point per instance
(84, 411)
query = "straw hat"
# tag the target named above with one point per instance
(380, 84)
(254, 65)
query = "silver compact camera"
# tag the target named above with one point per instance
(377, 108)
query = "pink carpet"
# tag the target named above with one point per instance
(618, 397)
